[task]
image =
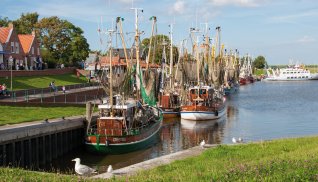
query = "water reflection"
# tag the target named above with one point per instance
(194, 132)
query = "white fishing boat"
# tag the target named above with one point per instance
(291, 73)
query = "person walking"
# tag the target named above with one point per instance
(63, 89)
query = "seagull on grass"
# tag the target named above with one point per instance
(234, 140)
(82, 169)
(202, 144)
(240, 140)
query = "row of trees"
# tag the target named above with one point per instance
(62, 42)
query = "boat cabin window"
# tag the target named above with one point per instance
(202, 91)
(194, 91)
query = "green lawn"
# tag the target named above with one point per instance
(31, 82)
(279, 160)
(13, 115)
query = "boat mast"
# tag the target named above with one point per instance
(119, 22)
(192, 31)
(151, 37)
(110, 32)
(137, 49)
(171, 56)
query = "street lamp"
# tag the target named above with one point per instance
(11, 64)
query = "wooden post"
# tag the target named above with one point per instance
(89, 112)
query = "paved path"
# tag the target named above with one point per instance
(152, 163)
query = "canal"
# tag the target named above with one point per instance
(259, 111)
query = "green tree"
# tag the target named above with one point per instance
(259, 62)
(157, 44)
(26, 23)
(63, 40)
(4, 21)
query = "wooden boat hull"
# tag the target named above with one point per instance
(101, 145)
(122, 148)
(190, 114)
(170, 113)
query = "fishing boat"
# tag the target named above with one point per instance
(245, 76)
(231, 88)
(205, 103)
(291, 73)
(125, 125)
(169, 98)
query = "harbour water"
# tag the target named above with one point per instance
(259, 111)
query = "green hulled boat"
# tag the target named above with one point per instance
(132, 127)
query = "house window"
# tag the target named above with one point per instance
(12, 47)
(17, 47)
(32, 50)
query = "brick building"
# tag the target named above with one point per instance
(23, 50)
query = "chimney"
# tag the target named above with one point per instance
(10, 25)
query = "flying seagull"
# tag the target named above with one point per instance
(202, 144)
(82, 169)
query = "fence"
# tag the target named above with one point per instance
(79, 93)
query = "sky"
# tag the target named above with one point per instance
(279, 30)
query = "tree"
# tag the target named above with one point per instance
(63, 40)
(4, 21)
(26, 23)
(157, 43)
(259, 62)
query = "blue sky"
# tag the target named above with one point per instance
(277, 29)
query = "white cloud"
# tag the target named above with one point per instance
(242, 3)
(292, 18)
(178, 7)
(306, 39)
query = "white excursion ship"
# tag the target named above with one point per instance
(292, 73)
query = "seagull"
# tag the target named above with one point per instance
(234, 140)
(202, 144)
(82, 169)
(240, 140)
(110, 169)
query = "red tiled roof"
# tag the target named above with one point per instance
(4, 33)
(26, 42)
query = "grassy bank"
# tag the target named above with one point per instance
(14, 174)
(280, 160)
(31, 82)
(14, 115)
